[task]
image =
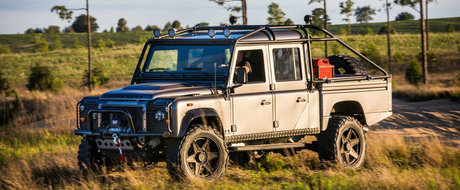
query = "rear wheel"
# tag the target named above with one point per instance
(201, 153)
(343, 142)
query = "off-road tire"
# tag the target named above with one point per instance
(89, 159)
(185, 155)
(347, 65)
(344, 137)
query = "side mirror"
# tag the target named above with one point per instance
(241, 76)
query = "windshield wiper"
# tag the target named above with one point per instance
(193, 69)
(159, 69)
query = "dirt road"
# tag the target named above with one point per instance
(434, 118)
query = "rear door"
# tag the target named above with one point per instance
(289, 86)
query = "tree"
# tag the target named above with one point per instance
(38, 30)
(176, 25)
(289, 22)
(63, 12)
(81, 24)
(29, 31)
(68, 29)
(167, 26)
(326, 20)
(384, 29)
(122, 25)
(234, 8)
(364, 14)
(52, 29)
(318, 17)
(151, 28)
(423, 31)
(414, 72)
(202, 24)
(346, 8)
(405, 16)
(138, 28)
(450, 28)
(276, 15)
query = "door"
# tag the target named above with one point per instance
(252, 103)
(290, 87)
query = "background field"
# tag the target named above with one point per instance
(416, 148)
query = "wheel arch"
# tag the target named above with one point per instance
(206, 116)
(347, 108)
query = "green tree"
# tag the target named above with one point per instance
(383, 30)
(138, 28)
(121, 26)
(346, 8)
(364, 14)
(111, 30)
(99, 77)
(167, 26)
(68, 29)
(289, 22)
(52, 29)
(63, 12)
(29, 31)
(41, 45)
(176, 25)
(318, 17)
(151, 27)
(230, 6)
(405, 16)
(276, 15)
(81, 24)
(202, 24)
(414, 73)
(56, 43)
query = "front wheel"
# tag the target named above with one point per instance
(343, 142)
(201, 153)
(89, 158)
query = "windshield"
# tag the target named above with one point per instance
(188, 59)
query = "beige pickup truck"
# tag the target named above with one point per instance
(206, 96)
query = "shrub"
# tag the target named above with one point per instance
(98, 78)
(76, 44)
(373, 53)
(366, 31)
(414, 72)
(4, 49)
(109, 43)
(270, 164)
(42, 78)
(4, 86)
(41, 45)
(383, 30)
(99, 43)
(450, 28)
(57, 43)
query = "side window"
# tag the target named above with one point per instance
(253, 62)
(287, 64)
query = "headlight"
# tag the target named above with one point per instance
(159, 115)
(82, 107)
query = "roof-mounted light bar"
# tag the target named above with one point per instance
(211, 33)
(172, 33)
(157, 33)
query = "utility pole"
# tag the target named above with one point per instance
(325, 27)
(89, 45)
(245, 16)
(427, 27)
(422, 32)
(388, 35)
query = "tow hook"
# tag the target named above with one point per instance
(366, 129)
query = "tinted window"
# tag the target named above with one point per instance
(287, 64)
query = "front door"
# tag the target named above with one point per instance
(252, 103)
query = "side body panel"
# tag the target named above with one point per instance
(374, 97)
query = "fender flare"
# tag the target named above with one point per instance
(199, 113)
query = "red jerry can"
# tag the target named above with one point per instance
(322, 69)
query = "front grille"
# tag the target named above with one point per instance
(135, 112)
(152, 124)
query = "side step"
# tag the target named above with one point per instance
(268, 146)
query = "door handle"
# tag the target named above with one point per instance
(299, 99)
(265, 102)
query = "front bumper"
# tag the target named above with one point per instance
(100, 134)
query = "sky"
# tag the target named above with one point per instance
(19, 15)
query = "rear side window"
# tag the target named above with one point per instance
(287, 64)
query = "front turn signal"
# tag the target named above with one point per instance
(82, 119)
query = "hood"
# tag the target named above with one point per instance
(150, 91)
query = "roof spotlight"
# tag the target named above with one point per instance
(227, 32)
(172, 32)
(211, 33)
(156, 33)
